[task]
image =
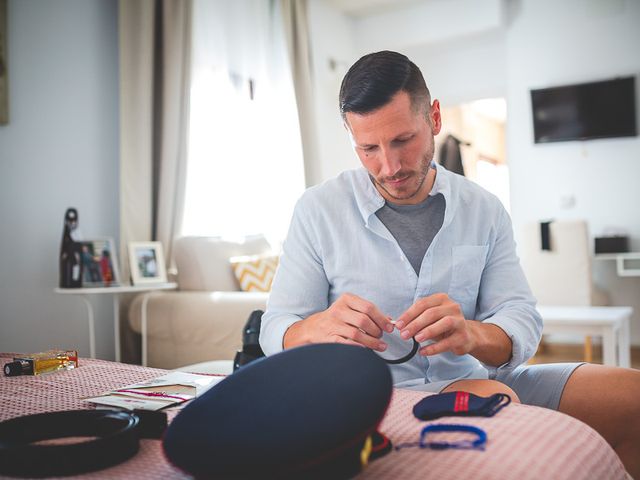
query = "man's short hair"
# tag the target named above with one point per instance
(374, 79)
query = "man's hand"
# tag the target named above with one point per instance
(439, 318)
(351, 320)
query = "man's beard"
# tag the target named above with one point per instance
(415, 184)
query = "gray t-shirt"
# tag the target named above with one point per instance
(414, 226)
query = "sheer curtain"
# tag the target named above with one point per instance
(245, 167)
(295, 15)
(154, 41)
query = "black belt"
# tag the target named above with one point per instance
(116, 433)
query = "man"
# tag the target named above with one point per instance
(404, 249)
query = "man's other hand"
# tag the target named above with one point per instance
(350, 320)
(438, 318)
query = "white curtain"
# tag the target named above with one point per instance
(172, 120)
(137, 26)
(155, 38)
(296, 29)
(155, 47)
(245, 168)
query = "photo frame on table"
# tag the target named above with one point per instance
(146, 261)
(99, 263)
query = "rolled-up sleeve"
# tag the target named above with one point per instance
(505, 298)
(300, 287)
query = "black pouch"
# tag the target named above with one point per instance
(464, 404)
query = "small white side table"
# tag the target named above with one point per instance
(611, 323)
(627, 264)
(115, 291)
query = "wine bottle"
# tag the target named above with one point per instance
(70, 253)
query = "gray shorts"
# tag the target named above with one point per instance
(540, 385)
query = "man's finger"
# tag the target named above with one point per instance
(347, 341)
(430, 316)
(362, 338)
(363, 322)
(440, 327)
(436, 348)
(420, 306)
(370, 310)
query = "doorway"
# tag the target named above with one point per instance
(479, 129)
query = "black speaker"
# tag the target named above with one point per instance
(618, 244)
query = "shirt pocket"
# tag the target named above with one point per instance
(468, 262)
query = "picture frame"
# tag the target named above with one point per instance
(99, 263)
(146, 262)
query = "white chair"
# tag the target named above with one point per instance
(562, 276)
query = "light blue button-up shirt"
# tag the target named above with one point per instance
(336, 244)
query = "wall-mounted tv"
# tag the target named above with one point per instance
(585, 111)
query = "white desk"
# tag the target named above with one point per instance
(610, 323)
(115, 291)
(627, 264)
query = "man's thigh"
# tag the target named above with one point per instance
(605, 398)
(540, 385)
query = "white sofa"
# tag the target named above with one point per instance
(203, 319)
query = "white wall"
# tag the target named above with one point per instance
(553, 43)
(464, 69)
(331, 35)
(459, 45)
(426, 22)
(60, 149)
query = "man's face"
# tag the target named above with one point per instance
(395, 144)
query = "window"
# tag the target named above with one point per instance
(245, 164)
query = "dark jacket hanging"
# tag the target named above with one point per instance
(449, 156)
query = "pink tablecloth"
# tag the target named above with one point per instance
(524, 442)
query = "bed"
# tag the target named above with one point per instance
(524, 442)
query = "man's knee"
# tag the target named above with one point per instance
(483, 388)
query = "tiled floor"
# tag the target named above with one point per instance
(557, 352)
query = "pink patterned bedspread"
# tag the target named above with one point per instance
(523, 442)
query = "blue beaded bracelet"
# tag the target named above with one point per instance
(477, 444)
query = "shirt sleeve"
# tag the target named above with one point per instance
(505, 298)
(300, 287)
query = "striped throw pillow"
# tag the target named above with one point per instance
(254, 273)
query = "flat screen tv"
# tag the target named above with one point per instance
(585, 111)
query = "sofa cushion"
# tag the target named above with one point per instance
(255, 272)
(203, 262)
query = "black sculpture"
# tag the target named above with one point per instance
(70, 253)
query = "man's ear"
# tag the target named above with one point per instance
(347, 127)
(435, 117)
(345, 123)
